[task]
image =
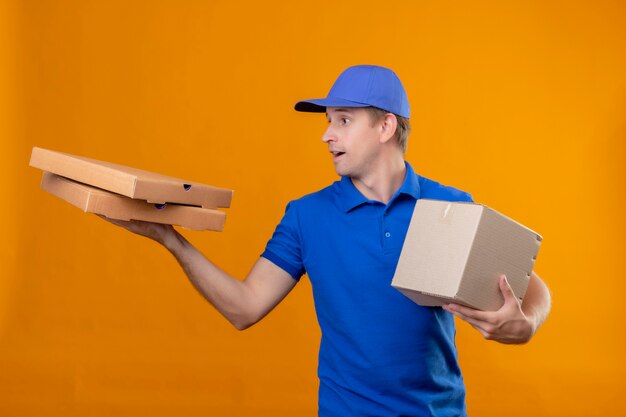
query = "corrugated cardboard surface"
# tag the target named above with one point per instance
(131, 182)
(95, 200)
(455, 252)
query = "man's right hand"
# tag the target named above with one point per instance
(155, 231)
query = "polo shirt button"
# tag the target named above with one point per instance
(387, 234)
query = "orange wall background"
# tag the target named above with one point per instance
(522, 103)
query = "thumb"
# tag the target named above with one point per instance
(506, 290)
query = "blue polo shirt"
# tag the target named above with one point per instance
(380, 354)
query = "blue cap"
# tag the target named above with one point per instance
(363, 86)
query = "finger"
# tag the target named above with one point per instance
(481, 326)
(468, 312)
(121, 223)
(108, 219)
(507, 291)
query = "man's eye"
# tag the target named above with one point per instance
(344, 120)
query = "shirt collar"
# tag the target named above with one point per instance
(351, 198)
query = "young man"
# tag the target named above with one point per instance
(380, 353)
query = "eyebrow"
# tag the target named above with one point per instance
(341, 110)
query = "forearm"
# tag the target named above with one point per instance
(537, 301)
(243, 303)
(231, 297)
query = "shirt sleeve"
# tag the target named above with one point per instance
(437, 191)
(284, 249)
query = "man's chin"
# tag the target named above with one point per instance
(342, 172)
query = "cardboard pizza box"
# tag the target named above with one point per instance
(130, 182)
(94, 200)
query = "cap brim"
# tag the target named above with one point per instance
(319, 105)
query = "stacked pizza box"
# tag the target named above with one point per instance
(125, 193)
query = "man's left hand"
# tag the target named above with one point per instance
(507, 325)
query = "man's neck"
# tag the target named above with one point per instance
(382, 183)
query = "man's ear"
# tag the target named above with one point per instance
(388, 127)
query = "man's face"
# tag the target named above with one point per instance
(353, 140)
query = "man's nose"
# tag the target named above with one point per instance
(329, 135)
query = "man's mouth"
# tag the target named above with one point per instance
(336, 153)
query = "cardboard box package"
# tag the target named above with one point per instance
(455, 252)
(130, 182)
(115, 206)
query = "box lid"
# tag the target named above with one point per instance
(130, 182)
(115, 206)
